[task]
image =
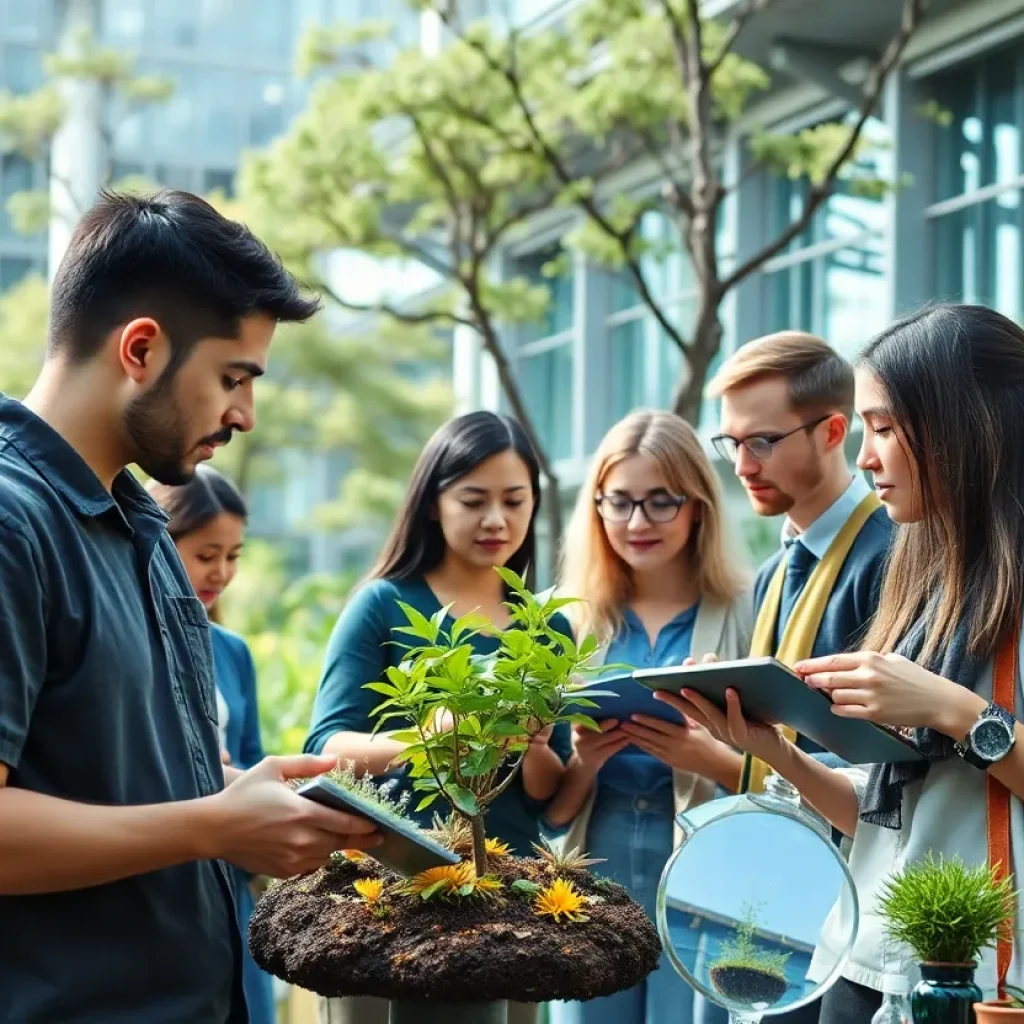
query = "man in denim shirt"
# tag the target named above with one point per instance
(114, 815)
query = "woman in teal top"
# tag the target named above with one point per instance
(471, 505)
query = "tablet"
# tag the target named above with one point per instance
(406, 850)
(773, 694)
(621, 696)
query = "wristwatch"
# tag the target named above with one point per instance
(991, 738)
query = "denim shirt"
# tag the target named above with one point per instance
(631, 770)
(106, 697)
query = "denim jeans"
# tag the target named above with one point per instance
(634, 836)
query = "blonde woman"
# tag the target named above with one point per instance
(646, 551)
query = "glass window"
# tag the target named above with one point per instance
(559, 315)
(981, 146)
(123, 21)
(628, 378)
(26, 16)
(173, 123)
(223, 180)
(665, 266)
(174, 176)
(174, 24)
(545, 380)
(268, 117)
(22, 69)
(219, 114)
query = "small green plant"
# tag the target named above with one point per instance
(947, 912)
(467, 718)
(1014, 997)
(744, 953)
(561, 861)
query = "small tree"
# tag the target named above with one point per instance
(472, 716)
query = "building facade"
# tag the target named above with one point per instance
(952, 230)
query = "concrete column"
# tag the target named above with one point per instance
(77, 156)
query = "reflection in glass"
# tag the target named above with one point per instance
(744, 901)
(628, 378)
(559, 314)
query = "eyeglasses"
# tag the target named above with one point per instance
(657, 508)
(759, 446)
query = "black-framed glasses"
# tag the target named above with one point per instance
(760, 446)
(657, 508)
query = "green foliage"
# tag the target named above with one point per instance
(947, 912)
(363, 787)
(1015, 996)
(744, 952)
(23, 314)
(466, 716)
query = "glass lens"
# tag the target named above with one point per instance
(759, 447)
(726, 448)
(661, 509)
(615, 508)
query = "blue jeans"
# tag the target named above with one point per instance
(634, 836)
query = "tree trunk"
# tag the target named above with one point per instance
(703, 347)
(479, 845)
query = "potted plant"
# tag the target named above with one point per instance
(1002, 1011)
(456, 943)
(947, 914)
(749, 974)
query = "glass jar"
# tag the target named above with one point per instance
(946, 994)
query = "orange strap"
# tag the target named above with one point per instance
(1004, 691)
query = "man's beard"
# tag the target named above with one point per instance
(809, 478)
(157, 431)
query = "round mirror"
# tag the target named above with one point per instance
(756, 907)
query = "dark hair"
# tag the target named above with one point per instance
(191, 506)
(416, 544)
(174, 258)
(953, 378)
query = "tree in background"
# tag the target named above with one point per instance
(445, 157)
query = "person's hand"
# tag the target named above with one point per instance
(890, 690)
(261, 825)
(762, 741)
(686, 745)
(225, 757)
(594, 748)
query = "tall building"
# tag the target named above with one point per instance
(954, 230)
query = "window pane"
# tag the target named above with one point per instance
(223, 180)
(978, 255)
(16, 175)
(267, 118)
(22, 69)
(26, 15)
(174, 24)
(546, 383)
(841, 297)
(123, 21)
(665, 266)
(628, 382)
(559, 316)
(12, 270)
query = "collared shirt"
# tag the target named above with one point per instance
(818, 537)
(106, 697)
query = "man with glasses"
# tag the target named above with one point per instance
(787, 403)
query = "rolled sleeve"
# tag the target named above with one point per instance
(22, 640)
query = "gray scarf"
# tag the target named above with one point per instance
(883, 801)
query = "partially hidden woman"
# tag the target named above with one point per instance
(471, 505)
(941, 395)
(646, 550)
(207, 524)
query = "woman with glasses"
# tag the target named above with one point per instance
(646, 551)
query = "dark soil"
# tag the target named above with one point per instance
(464, 948)
(748, 985)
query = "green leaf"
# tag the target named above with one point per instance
(584, 720)
(525, 887)
(385, 688)
(426, 802)
(432, 890)
(419, 625)
(464, 800)
(466, 890)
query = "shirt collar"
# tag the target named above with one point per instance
(818, 537)
(66, 471)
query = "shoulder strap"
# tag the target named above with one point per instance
(1004, 693)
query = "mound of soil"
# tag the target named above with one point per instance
(315, 932)
(748, 985)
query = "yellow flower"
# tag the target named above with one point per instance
(496, 848)
(443, 881)
(560, 900)
(371, 889)
(487, 886)
(353, 855)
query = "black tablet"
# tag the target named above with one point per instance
(406, 849)
(771, 693)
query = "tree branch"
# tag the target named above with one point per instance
(382, 308)
(909, 20)
(495, 793)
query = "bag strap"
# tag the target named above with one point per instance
(1004, 693)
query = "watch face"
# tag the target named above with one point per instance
(990, 739)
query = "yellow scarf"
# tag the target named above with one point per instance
(804, 621)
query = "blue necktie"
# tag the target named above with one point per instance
(799, 564)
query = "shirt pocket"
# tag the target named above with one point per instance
(196, 652)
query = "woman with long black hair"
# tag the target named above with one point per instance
(941, 395)
(471, 505)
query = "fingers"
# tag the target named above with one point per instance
(336, 823)
(673, 730)
(833, 663)
(297, 766)
(674, 701)
(712, 716)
